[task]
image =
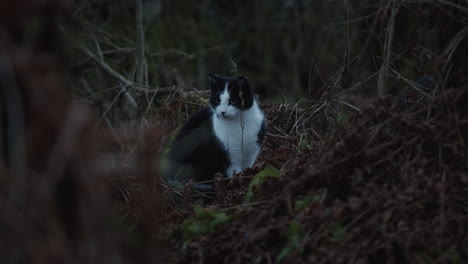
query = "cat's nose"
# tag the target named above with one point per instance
(223, 113)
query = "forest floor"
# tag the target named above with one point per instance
(388, 183)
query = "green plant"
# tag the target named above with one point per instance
(300, 205)
(304, 145)
(295, 236)
(337, 231)
(203, 222)
(259, 179)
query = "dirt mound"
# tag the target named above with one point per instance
(392, 188)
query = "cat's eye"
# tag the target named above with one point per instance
(232, 101)
(217, 100)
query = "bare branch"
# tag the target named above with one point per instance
(129, 97)
(140, 73)
(126, 82)
(107, 68)
(387, 51)
(459, 7)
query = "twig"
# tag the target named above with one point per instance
(313, 113)
(129, 97)
(171, 50)
(158, 90)
(348, 41)
(127, 83)
(107, 68)
(93, 96)
(372, 29)
(317, 135)
(366, 80)
(347, 104)
(310, 74)
(320, 74)
(387, 51)
(140, 42)
(98, 47)
(458, 7)
(107, 52)
(349, 21)
(124, 82)
(108, 108)
(447, 54)
(414, 85)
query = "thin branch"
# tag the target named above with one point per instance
(129, 97)
(93, 96)
(127, 83)
(348, 41)
(311, 115)
(156, 90)
(458, 7)
(98, 47)
(349, 21)
(372, 29)
(414, 85)
(140, 74)
(348, 104)
(107, 52)
(124, 82)
(387, 51)
(107, 68)
(108, 108)
(447, 54)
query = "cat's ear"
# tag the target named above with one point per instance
(244, 84)
(213, 80)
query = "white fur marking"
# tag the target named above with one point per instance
(223, 106)
(229, 131)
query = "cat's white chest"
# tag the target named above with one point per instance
(239, 136)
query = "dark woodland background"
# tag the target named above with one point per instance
(289, 49)
(364, 160)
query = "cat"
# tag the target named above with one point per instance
(225, 137)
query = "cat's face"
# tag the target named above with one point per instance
(229, 96)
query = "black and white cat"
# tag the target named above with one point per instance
(225, 137)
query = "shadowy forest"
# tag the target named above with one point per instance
(364, 160)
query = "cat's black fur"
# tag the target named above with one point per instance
(196, 153)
